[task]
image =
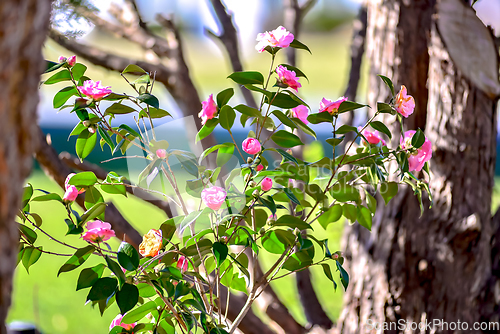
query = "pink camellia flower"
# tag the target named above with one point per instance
(372, 137)
(98, 231)
(72, 61)
(161, 153)
(94, 89)
(251, 146)
(117, 321)
(279, 37)
(71, 194)
(288, 77)
(266, 184)
(405, 104)
(331, 106)
(182, 263)
(259, 168)
(62, 59)
(418, 158)
(208, 109)
(301, 112)
(67, 185)
(213, 197)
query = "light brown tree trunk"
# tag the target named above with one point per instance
(23, 25)
(443, 265)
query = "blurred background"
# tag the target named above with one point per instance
(51, 302)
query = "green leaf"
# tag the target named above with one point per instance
(287, 156)
(298, 45)
(63, 95)
(85, 143)
(286, 139)
(30, 256)
(189, 219)
(350, 212)
(92, 196)
(224, 97)
(384, 108)
(77, 259)
(371, 202)
(129, 130)
(277, 241)
(119, 109)
(94, 212)
(153, 113)
(332, 215)
(139, 312)
(284, 119)
(168, 229)
(321, 117)
(102, 288)
(207, 129)
(388, 190)
(28, 233)
(349, 105)
(248, 111)
(27, 193)
(292, 222)
(224, 154)
(389, 83)
(187, 162)
(150, 100)
(83, 179)
(63, 75)
(127, 297)
(291, 196)
(247, 77)
(226, 117)
(285, 101)
(345, 129)
(328, 274)
(78, 70)
(220, 252)
(345, 193)
(418, 139)
(47, 197)
(128, 257)
(89, 276)
(52, 66)
(133, 69)
(301, 125)
(365, 217)
(344, 276)
(377, 125)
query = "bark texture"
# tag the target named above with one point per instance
(443, 265)
(23, 25)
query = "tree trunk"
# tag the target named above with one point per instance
(23, 25)
(444, 265)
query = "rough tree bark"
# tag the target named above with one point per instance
(23, 25)
(443, 265)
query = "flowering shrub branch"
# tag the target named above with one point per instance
(172, 283)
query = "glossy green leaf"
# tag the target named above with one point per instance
(139, 312)
(328, 274)
(52, 66)
(247, 77)
(377, 125)
(388, 190)
(365, 217)
(85, 143)
(133, 69)
(30, 256)
(128, 257)
(92, 196)
(321, 117)
(153, 113)
(63, 95)
(89, 276)
(418, 139)
(93, 212)
(77, 259)
(150, 100)
(292, 222)
(389, 83)
(345, 193)
(28, 233)
(302, 126)
(332, 215)
(78, 70)
(220, 252)
(284, 119)
(119, 109)
(226, 117)
(48, 197)
(83, 179)
(127, 297)
(102, 288)
(298, 45)
(385, 108)
(286, 139)
(277, 241)
(207, 129)
(129, 130)
(345, 129)
(344, 276)
(63, 75)
(350, 212)
(349, 106)
(224, 154)
(224, 97)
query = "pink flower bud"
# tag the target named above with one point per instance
(405, 104)
(266, 184)
(66, 183)
(182, 263)
(208, 109)
(272, 218)
(259, 168)
(91, 129)
(72, 61)
(161, 153)
(251, 146)
(62, 59)
(335, 256)
(213, 197)
(372, 137)
(71, 194)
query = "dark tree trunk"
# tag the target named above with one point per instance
(443, 265)
(23, 25)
